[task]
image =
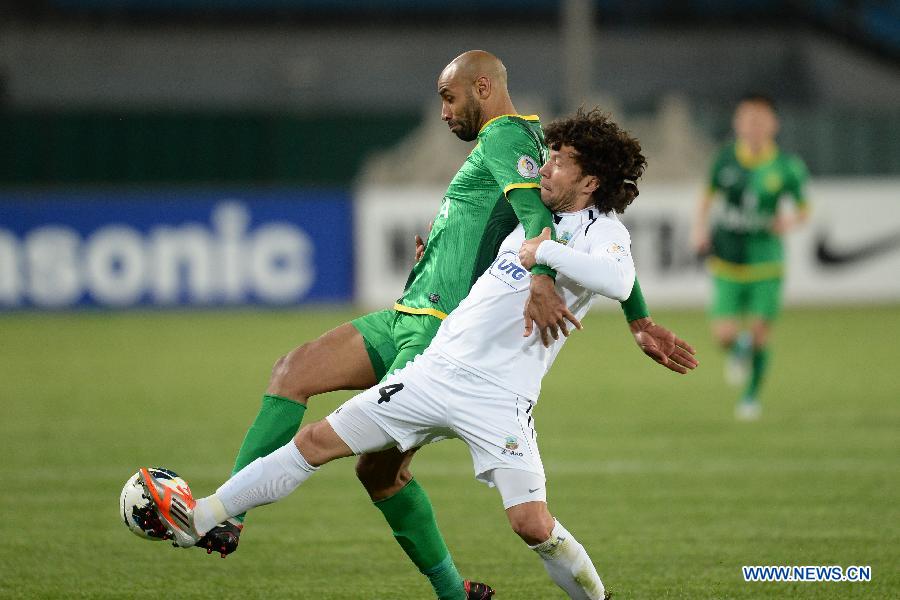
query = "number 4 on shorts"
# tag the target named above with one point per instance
(387, 391)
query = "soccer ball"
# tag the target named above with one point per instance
(136, 509)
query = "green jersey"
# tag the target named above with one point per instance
(744, 246)
(475, 215)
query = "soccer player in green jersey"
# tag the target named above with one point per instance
(496, 188)
(744, 242)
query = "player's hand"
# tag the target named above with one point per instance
(784, 223)
(547, 310)
(700, 241)
(663, 346)
(420, 243)
(420, 247)
(528, 250)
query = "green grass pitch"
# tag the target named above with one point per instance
(648, 469)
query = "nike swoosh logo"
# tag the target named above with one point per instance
(828, 256)
(531, 491)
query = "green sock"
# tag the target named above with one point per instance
(411, 517)
(275, 425)
(759, 363)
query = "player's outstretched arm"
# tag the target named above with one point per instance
(663, 346)
(653, 339)
(635, 307)
(609, 274)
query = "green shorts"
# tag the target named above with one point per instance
(756, 298)
(394, 338)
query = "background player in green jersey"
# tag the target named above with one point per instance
(496, 188)
(746, 256)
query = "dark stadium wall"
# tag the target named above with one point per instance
(61, 147)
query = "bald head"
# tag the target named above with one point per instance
(473, 91)
(477, 63)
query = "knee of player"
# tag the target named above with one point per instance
(309, 441)
(284, 380)
(374, 473)
(305, 438)
(726, 338)
(278, 367)
(366, 470)
(532, 527)
(381, 479)
(282, 364)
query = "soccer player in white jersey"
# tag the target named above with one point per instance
(480, 378)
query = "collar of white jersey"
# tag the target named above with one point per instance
(585, 214)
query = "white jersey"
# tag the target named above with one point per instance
(484, 335)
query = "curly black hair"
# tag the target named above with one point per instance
(604, 151)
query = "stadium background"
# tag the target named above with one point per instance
(269, 162)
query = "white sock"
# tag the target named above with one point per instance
(263, 481)
(569, 565)
(208, 513)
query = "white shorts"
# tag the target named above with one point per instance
(431, 399)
